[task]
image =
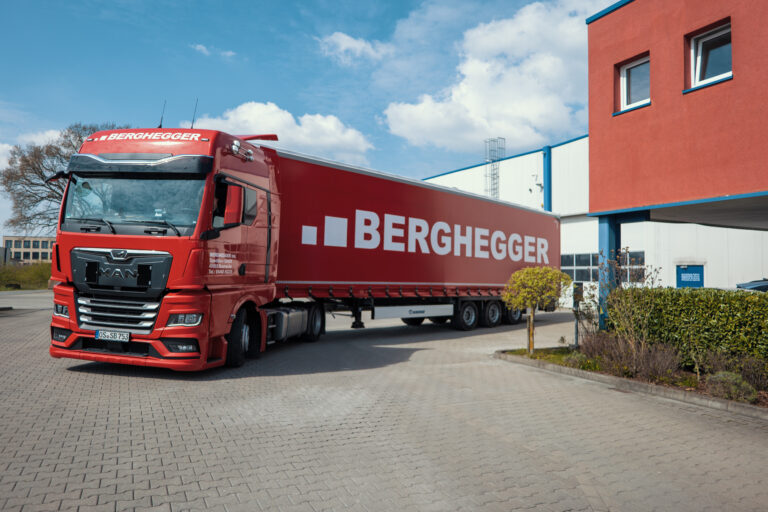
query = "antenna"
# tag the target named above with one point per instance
(194, 114)
(162, 114)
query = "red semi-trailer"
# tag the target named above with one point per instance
(189, 249)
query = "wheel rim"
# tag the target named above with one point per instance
(469, 315)
(246, 337)
(516, 314)
(494, 312)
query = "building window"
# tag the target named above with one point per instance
(36, 244)
(17, 244)
(635, 83)
(17, 255)
(35, 255)
(26, 244)
(586, 267)
(711, 56)
(50, 256)
(8, 244)
(45, 244)
(26, 255)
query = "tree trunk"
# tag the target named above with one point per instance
(531, 316)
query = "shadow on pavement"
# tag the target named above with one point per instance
(337, 350)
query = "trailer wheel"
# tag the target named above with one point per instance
(439, 319)
(465, 318)
(413, 322)
(512, 316)
(491, 316)
(238, 340)
(314, 323)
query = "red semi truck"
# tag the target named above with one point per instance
(189, 249)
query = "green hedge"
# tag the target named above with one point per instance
(732, 322)
(28, 277)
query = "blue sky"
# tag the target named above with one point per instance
(409, 87)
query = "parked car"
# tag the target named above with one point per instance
(761, 285)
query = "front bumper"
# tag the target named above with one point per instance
(151, 349)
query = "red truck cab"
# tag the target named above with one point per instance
(163, 237)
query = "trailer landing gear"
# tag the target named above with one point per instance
(358, 321)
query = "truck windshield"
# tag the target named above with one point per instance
(173, 202)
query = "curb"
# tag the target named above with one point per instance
(642, 387)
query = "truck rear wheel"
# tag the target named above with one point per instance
(491, 316)
(413, 322)
(512, 316)
(314, 323)
(465, 318)
(238, 340)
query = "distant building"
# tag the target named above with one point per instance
(28, 249)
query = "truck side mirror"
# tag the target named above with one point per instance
(234, 209)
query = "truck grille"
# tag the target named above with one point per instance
(124, 315)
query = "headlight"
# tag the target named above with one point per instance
(185, 319)
(60, 310)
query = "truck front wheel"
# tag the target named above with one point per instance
(238, 340)
(465, 318)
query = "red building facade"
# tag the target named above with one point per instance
(678, 105)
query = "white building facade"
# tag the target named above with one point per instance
(682, 254)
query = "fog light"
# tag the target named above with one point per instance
(185, 319)
(59, 334)
(61, 310)
(181, 345)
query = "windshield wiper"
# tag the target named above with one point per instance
(162, 222)
(89, 219)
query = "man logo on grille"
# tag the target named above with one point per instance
(124, 273)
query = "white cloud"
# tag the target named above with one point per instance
(38, 138)
(345, 48)
(200, 48)
(523, 78)
(5, 153)
(228, 54)
(322, 135)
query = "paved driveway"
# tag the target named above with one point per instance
(389, 418)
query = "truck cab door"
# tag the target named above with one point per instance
(257, 218)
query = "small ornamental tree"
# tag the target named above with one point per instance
(534, 287)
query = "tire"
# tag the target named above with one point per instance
(315, 323)
(413, 322)
(254, 344)
(238, 340)
(512, 316)
(466, 316)
(492, 313)
(439, 319)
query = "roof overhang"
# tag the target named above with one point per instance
(747, 211)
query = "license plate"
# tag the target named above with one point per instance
(113, 336)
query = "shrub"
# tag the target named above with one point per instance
(731, 386)
(755, 372)
(658, 363)
(582, 362)
(698, 320)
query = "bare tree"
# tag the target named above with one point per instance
(35, 202)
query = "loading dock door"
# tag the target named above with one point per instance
(690, 276)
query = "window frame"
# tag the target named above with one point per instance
(623, 105)
(696, 54)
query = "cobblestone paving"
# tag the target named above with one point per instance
(393, 418)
